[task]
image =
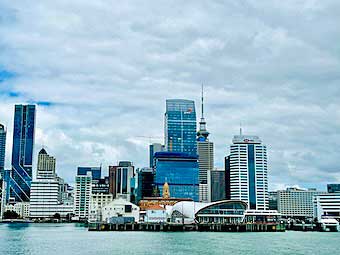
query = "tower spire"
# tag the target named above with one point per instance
(202, 133)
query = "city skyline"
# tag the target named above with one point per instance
(268, 72)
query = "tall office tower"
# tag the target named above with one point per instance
(46, 166)
(180, 126)
(2, 150)
(205, 150)
(333, 188)
(22, 152)
(248, 172)
(120, 178)
(216, 185)
(82, 195)
(153, 148)
(145, 177)
(96, 172)
(180, 171)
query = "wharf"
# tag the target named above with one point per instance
(170, 227)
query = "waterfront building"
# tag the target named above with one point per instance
(120, 211)
(296, 203)
(326, 206)
(145, 178)
(180, 126)
(155, 214)
(205, 150)
(247, 168)
(216, 189)
(47, 191)
(153, 148)
(3, 133)
(222, 212)
(148, 202)
(96, 172)
(333, 188)
(45, 200)
(46, 165)
(21, 208)
(180, 171)
(98, 201)
(22, 152)
(121, 180)
(82, 195)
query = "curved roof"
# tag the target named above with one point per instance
(190, 209)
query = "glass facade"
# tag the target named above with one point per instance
(180, 126)
(22, 152)
(252, 177)
(2, 149)
(180, 171)
(95, 171)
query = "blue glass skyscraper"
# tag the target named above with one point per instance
(22, 152)
(180, 171)
(2, 149)
(180, 126)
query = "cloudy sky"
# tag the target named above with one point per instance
(100, 72)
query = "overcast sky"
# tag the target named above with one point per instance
(100, 72)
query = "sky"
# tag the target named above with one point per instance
(100, 72)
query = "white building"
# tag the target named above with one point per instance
(45, 200)
(155, 214)
(294, 202)
(82, 196)
(98, 201)
(327, 206)
(21, 208)
(119, 209)
(247, 172)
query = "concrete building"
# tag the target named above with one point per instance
(46, 165)
(98, 201)
(21, 208)
(120, 211)
(326, 206)
(296, 203)
(155, 214)
(205, 150)
(216, 185)
(120, 178)
(82, 196)
(247, 169)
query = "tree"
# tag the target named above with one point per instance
(11, 215)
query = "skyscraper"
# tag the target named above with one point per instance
(22, 152)
(216, 185)
(2, 150)
(180, 171)
(82, 195)
(46, 166)
(180, 126)
(248, 172)
(96, 172)
(153, 148)
(205, 150)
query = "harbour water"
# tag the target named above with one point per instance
(50, 239)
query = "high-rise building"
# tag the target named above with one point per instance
(46, 165)
(82, 195)
(180, 171)
(216, 188)
(248, 172)
(96, 172)
(22, 152)
(333, 188)
(296, 203)
(101, 186)
(327, 206)
(145, 177)
(205, 150)
(120, 178)
(153, 148)
(47, 191)
(180, 126)
(2, 150)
